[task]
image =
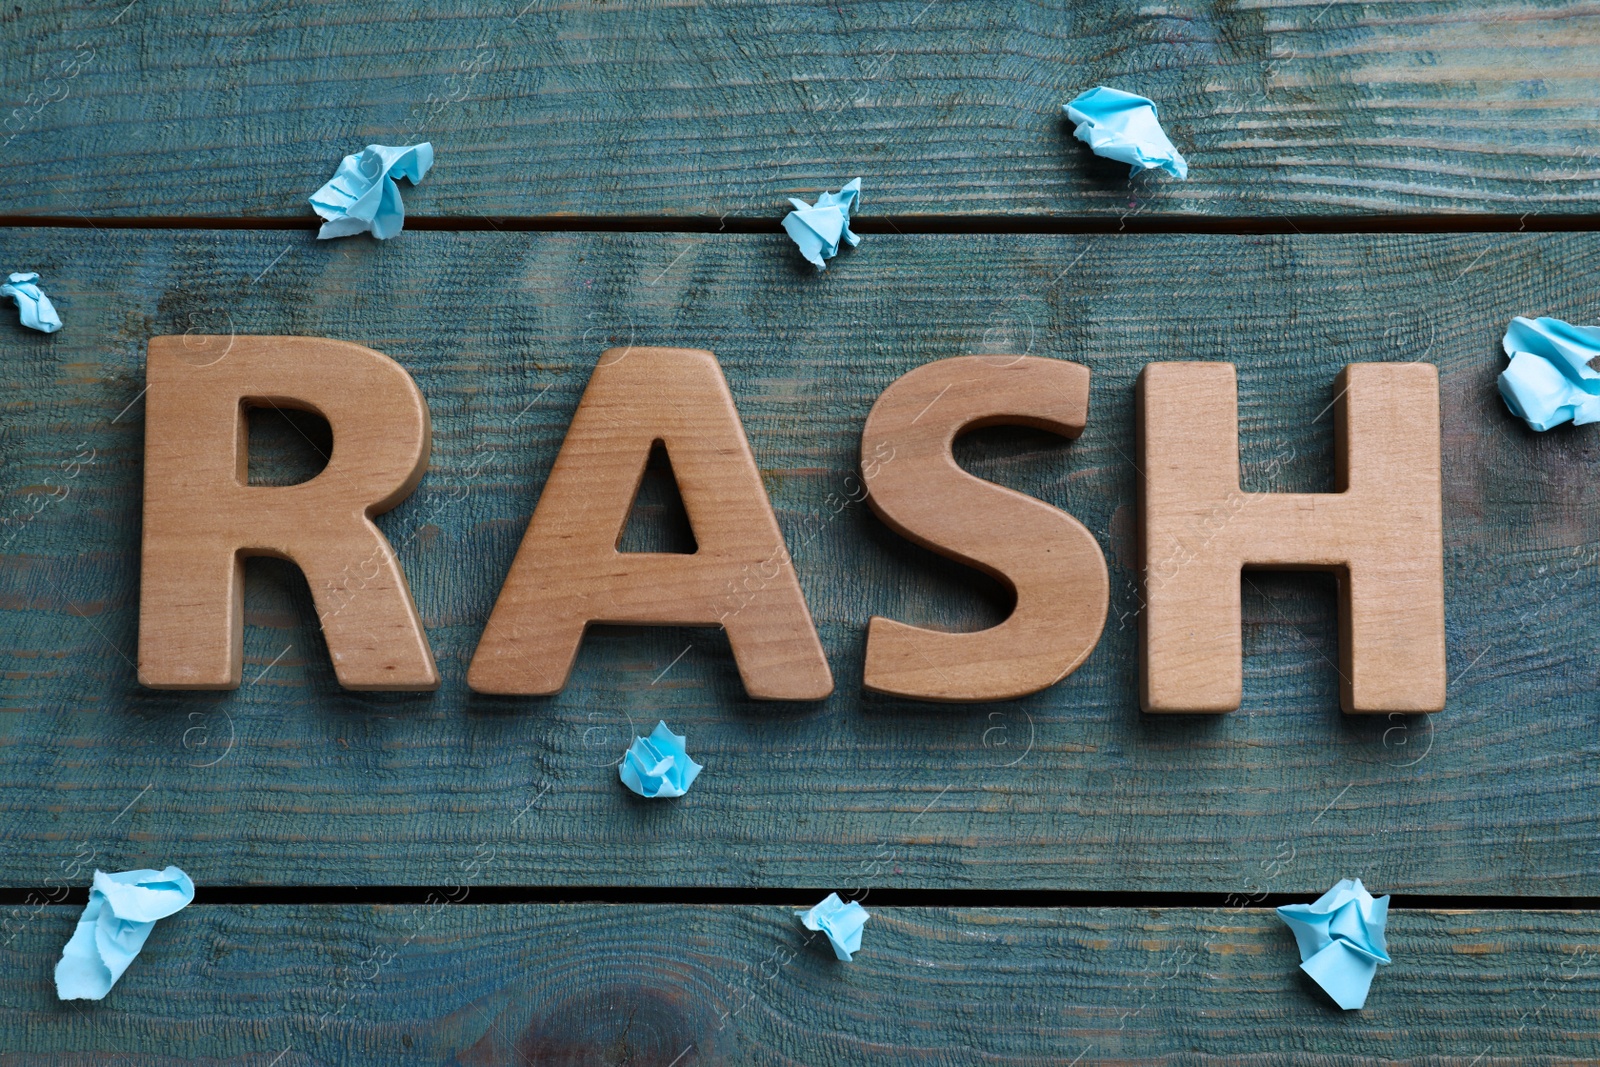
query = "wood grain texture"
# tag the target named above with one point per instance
(290, 780)
(202, 517)
(1052, 567)
(645, 107)
(548, 985)
(570, 571)
(1379, 532)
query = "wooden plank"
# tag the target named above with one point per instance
(643, 107)
(663, 984)
(291, 780)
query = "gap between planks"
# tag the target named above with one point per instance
(907, 225)
(790, 897)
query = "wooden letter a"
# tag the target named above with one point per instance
(568, 572)
(1380, 531)
(201, 517)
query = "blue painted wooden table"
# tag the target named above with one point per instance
(456, 879)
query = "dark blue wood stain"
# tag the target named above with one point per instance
(291, 780)
(650, 109)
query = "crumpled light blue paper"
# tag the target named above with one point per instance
(1123, 126)
(840, 921)
(362, 196)
(658, 765)
(1549, 380)
(33, 306)
(122, 910)
(1341, 939)
(818, 228)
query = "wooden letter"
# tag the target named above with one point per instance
(201, 517)
(1045, 555)
(568, 572)
(1380, 532)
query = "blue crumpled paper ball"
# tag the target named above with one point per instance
(33, 307)
(659, 765)
(841, 922)
(363, 195)
(122, 910)
(1124, 126)
(818, 228)
(1341, 941)
(1549, 380)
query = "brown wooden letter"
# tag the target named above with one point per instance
(568, 572)
(1380, 531)
(1050, 561)
(201, 517)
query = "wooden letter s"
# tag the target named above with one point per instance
(1045, 555)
